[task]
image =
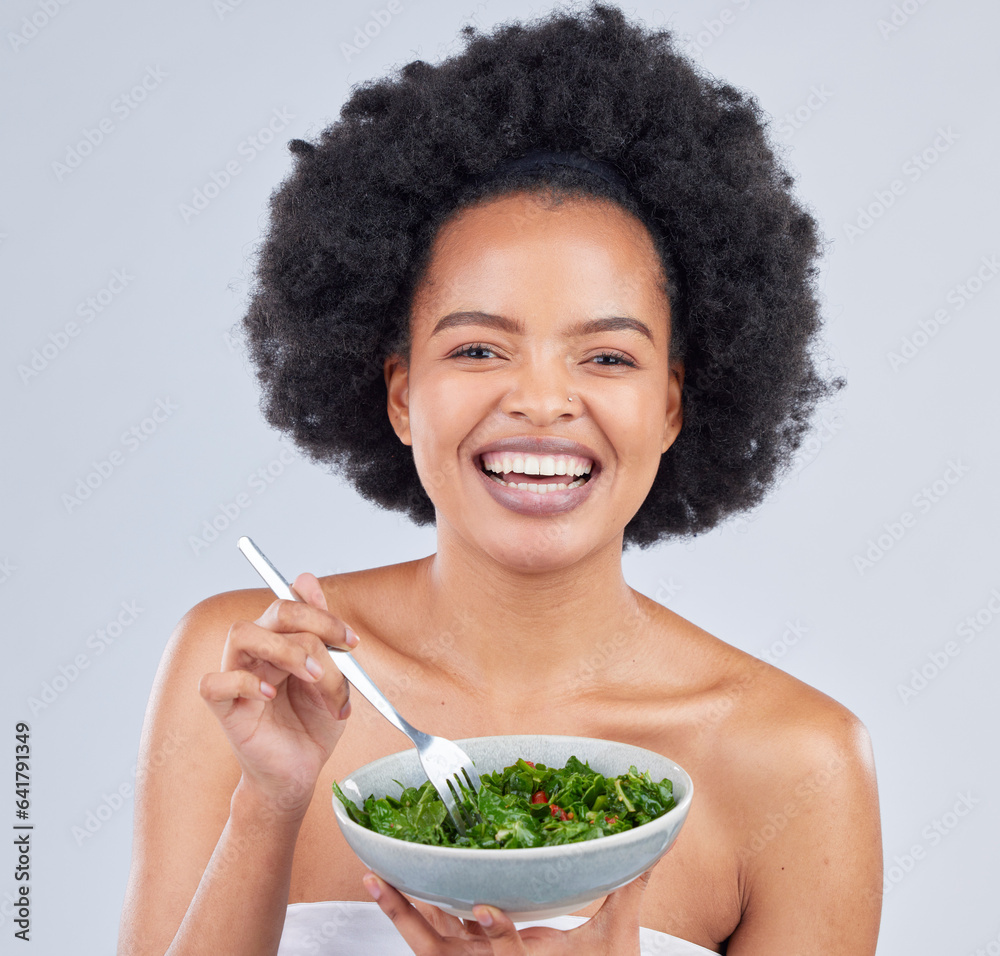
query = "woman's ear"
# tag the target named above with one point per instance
(397, 385)
(675, 405)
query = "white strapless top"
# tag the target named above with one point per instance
(359, 928)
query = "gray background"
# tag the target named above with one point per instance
(783, 583)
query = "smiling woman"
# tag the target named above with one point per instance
(555, 296)
(570, 304)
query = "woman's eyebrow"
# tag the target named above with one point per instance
(612, 323)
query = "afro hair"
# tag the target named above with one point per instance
(351, 228)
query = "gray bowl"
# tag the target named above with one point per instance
(527, 884)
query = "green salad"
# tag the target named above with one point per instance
(524, 805)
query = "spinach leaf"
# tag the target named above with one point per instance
(524, 805)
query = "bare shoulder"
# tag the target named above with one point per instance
(195, 648)
(185, 776)
(809, 845)
(199, 637)
(802, 739)
(187, 771)
(203, 629)
(201, 632)
(763, 720)
(180, 735)
(786, 775)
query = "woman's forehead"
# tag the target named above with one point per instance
(523, 247)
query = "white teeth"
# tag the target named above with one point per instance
(526, 464)
(538, 489)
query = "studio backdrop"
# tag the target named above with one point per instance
(142, 141)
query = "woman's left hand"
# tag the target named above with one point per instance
(428, 931)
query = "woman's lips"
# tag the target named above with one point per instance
(527, 502)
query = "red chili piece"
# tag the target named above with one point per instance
(539, 797)
(558, 812)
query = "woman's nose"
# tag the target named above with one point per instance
(541, 392)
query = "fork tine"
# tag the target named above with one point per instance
(452, 802)
(457, 810)
(466, 788)
(461, 791)
(472, 779)
(467, 770)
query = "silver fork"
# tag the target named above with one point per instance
(448, 767)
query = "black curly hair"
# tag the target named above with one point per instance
(352, 226)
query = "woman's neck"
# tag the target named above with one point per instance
(542, 630)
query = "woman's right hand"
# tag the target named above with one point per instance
(280, 699)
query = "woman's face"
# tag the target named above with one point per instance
(539, 335)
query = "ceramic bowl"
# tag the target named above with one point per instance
(528, 884)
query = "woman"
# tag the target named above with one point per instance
(562, 247)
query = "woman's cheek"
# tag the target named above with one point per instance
(434, 442)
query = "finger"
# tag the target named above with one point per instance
(307, 587)
(444, 923)
(417, 932)
(220, 691)
(273, 656)
(331, 692)
(618, 916)
(499, 930)
(288, 617)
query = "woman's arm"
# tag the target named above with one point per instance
(239, 905)
(222, 789)
(812, 864)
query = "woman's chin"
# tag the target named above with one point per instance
(546, 548)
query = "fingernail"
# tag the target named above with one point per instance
(345, 711)
(266, 689)
(314, 668)
(372, 885)
(352, 639)
(483, 916)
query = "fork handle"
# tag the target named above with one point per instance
(347, 665)
(365, 686)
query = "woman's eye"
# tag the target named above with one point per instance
(480, 351)
(466, 350)
(614, 358)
